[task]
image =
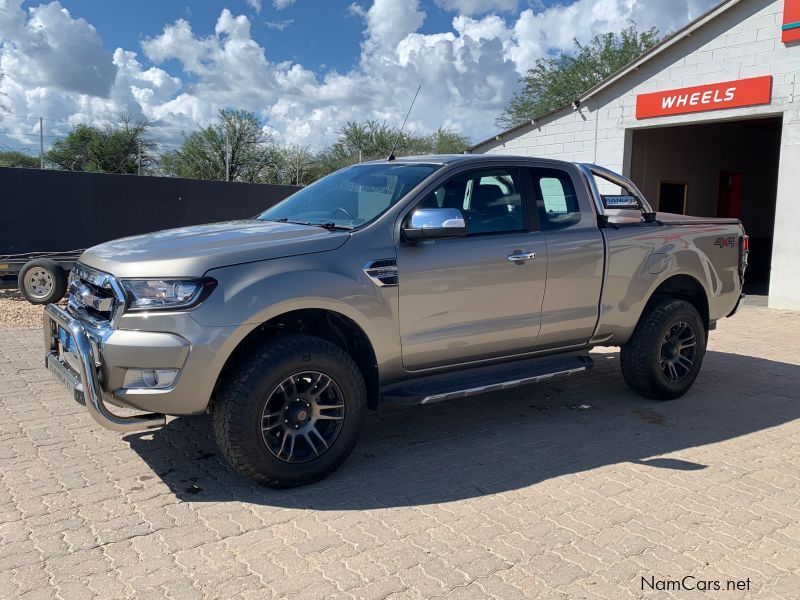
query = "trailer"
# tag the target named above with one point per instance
(41, 277)
(45, 214)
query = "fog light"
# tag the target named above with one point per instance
(149, 378)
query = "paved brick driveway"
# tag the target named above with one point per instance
(506, 495)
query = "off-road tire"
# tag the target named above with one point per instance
(640, 357)
(237, 410)
(57, 283)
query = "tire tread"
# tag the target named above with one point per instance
(637, 369)
(230, 406)
(59, 280)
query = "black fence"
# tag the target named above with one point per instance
(54, 211)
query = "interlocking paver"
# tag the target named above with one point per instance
(513, 494)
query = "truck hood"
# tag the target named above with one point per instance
(191, 251)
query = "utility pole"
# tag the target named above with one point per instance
(227, 159)
(139, 155)
(41, 142)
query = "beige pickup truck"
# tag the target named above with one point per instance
(413, 280)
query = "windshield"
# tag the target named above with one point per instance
(350, 197)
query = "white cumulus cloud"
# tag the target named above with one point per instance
(477, 7)
(56, 66)
(279, 25)
(48, 48)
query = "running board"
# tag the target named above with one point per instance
(481, 380)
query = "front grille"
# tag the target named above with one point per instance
(94, 295)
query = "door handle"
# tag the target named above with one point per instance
(522, 256)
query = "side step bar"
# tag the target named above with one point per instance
(481, 380)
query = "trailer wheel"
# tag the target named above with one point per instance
(42, 281)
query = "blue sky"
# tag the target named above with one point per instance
(304, 67)
(327, 36)
(308, 39)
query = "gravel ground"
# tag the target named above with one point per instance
(16, 312)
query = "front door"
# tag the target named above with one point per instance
(462, 299)
(729, 200)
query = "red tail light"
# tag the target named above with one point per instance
(744, 253)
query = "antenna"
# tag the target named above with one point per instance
(400, 134)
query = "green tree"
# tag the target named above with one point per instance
(126, 148)
(293, 165)
(235, 148)
(445, 141)
(365, 141)
(371, 140)
(12, 158)
(73, 152)
(556, 81)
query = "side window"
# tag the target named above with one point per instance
(490, 199)
(556, 200)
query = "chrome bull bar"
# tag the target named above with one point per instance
(88, 384)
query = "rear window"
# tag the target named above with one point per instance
(556, 200)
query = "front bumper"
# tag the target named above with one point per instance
(78, 370)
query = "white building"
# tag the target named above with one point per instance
(706, 123)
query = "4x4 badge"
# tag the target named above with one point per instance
(725, 242)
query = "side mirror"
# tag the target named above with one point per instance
(435, 223)
(626, 201)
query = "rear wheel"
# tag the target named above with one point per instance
(291, 414)
(42, 281)
(665, 353)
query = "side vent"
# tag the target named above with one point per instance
(383, 272)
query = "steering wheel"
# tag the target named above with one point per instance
(346, 212)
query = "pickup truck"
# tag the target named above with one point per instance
(408, 280)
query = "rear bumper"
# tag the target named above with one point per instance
(738, 304)
(78, 367)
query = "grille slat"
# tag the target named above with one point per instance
(94, 294)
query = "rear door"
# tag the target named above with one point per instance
(575, 257)
(462, 299)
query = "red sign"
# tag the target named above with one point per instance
(790, 30)
(728, 94)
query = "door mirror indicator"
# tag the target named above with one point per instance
(435, 223)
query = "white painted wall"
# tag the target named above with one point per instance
(784, 286)
(744, 41)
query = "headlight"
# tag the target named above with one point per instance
(165, 294)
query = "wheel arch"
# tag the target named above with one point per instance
(681, 287)
(327, 324)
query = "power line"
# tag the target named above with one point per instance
(94, 122)
(36, 135)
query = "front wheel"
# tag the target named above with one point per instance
(292, 413)
(665, 352)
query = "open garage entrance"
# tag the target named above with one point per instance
(722, 169)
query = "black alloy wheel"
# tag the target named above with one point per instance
(302, 417)
(678, 351)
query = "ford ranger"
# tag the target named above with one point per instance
(409, 280)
